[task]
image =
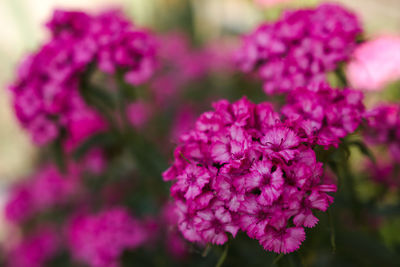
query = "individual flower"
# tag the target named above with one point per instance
(300, 48)
(100, 239)
(34, 250)
(323, 114)
(50, 84)
(375, 63)
(243, 168)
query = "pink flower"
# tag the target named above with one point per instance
(324, 114)
(213, 224)
(47, 92)
(99, 240)
(192, 181)
(268, 178)
(375, 63)
(243, 168)
(300, 48)
(382, 128)
(281, 143)
(35, 250)
(46, 189)
(284, 240)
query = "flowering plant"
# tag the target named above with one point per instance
(137, 169)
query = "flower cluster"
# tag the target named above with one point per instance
(300, 48)
(384, 172)
(324, 115)
(99, 240)
(383, 127)
(244, 168)
(44, 190)
(35, 250)
(47, 97)
(182, 64)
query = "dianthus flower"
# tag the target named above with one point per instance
(385, 173)
(324, 114)
(47, 98)
(383, 127)
(300, 48)
(44, 190)
(100, 239)
(34, 250)
(242, 168)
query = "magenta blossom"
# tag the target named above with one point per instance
(46, 92)
(383, 127)
(99, 240)
(300, 48)
(324, 115)
(242, 168)
(35, 250)
(46, 189)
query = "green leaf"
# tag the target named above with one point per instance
(363, 149)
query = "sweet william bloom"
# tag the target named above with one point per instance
(46, 91)
(284, 240)
(213, 224)
(99, 240)
(248, 171)
(384, 173)
(280, 143)
(192, 181)
(300, 48)
(375, 63)
(324, 114)
(382, 127)
(44, 190)
(267, 178)
(35, 250)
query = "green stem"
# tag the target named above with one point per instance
(332, 229)
(277, 259)
(223, 256)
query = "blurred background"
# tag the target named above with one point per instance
(22, 31)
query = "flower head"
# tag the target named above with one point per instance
(300, 48)
(47, 91)
(100, 239)
(242, 168)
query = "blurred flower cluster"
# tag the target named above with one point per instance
(136, 169)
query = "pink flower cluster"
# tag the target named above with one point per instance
(383, 127)
(375, 63)
(46, 189)
(99, 240)
(182, 64)
(243, 168)
(324, 115)
(35, 250)
(300, 48)
(47, 98)
(385, 173)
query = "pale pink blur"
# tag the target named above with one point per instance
(375, 63)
